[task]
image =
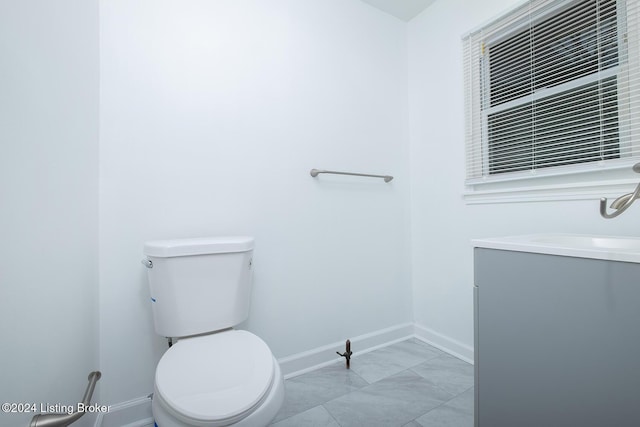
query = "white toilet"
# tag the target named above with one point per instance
(213, 375)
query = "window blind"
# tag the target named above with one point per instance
(553, 87)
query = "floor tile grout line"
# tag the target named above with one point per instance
(359, 376)
(437, 386)
(453, 396)
(437, 353)
(331, 415)
(443, 403)
(295, 379)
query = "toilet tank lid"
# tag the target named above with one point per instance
(198, 246)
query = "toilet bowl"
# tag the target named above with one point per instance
(213, 375)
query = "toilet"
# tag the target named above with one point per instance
(213, 375)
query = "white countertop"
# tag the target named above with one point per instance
(614, 248)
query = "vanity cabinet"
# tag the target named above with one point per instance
(557, 340)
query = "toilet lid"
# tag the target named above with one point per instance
(214, 377)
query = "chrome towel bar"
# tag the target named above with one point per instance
(315, 172)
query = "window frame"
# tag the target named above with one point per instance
(549, 183)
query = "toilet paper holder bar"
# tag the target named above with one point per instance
(64, 419)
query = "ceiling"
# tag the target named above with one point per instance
(403, 9)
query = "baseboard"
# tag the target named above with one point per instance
(306, 361)
(133, 413)
(444, 343)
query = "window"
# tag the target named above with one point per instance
(552, 88)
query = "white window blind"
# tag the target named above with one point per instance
(552, 88)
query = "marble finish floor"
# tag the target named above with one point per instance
(408, 384)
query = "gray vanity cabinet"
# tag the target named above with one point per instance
(557, 341)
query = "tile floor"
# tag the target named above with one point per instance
(408, 384)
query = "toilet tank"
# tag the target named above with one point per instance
(199, 285)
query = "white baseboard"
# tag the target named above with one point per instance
(306, 361)
(137, 412)
(133, 413)
(444, 343)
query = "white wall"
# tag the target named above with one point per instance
(212, 115)
(442, 224)
(49, 198)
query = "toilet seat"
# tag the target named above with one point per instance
(215, 379)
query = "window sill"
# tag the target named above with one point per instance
(589, 190)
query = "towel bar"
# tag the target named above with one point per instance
(315, 172)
